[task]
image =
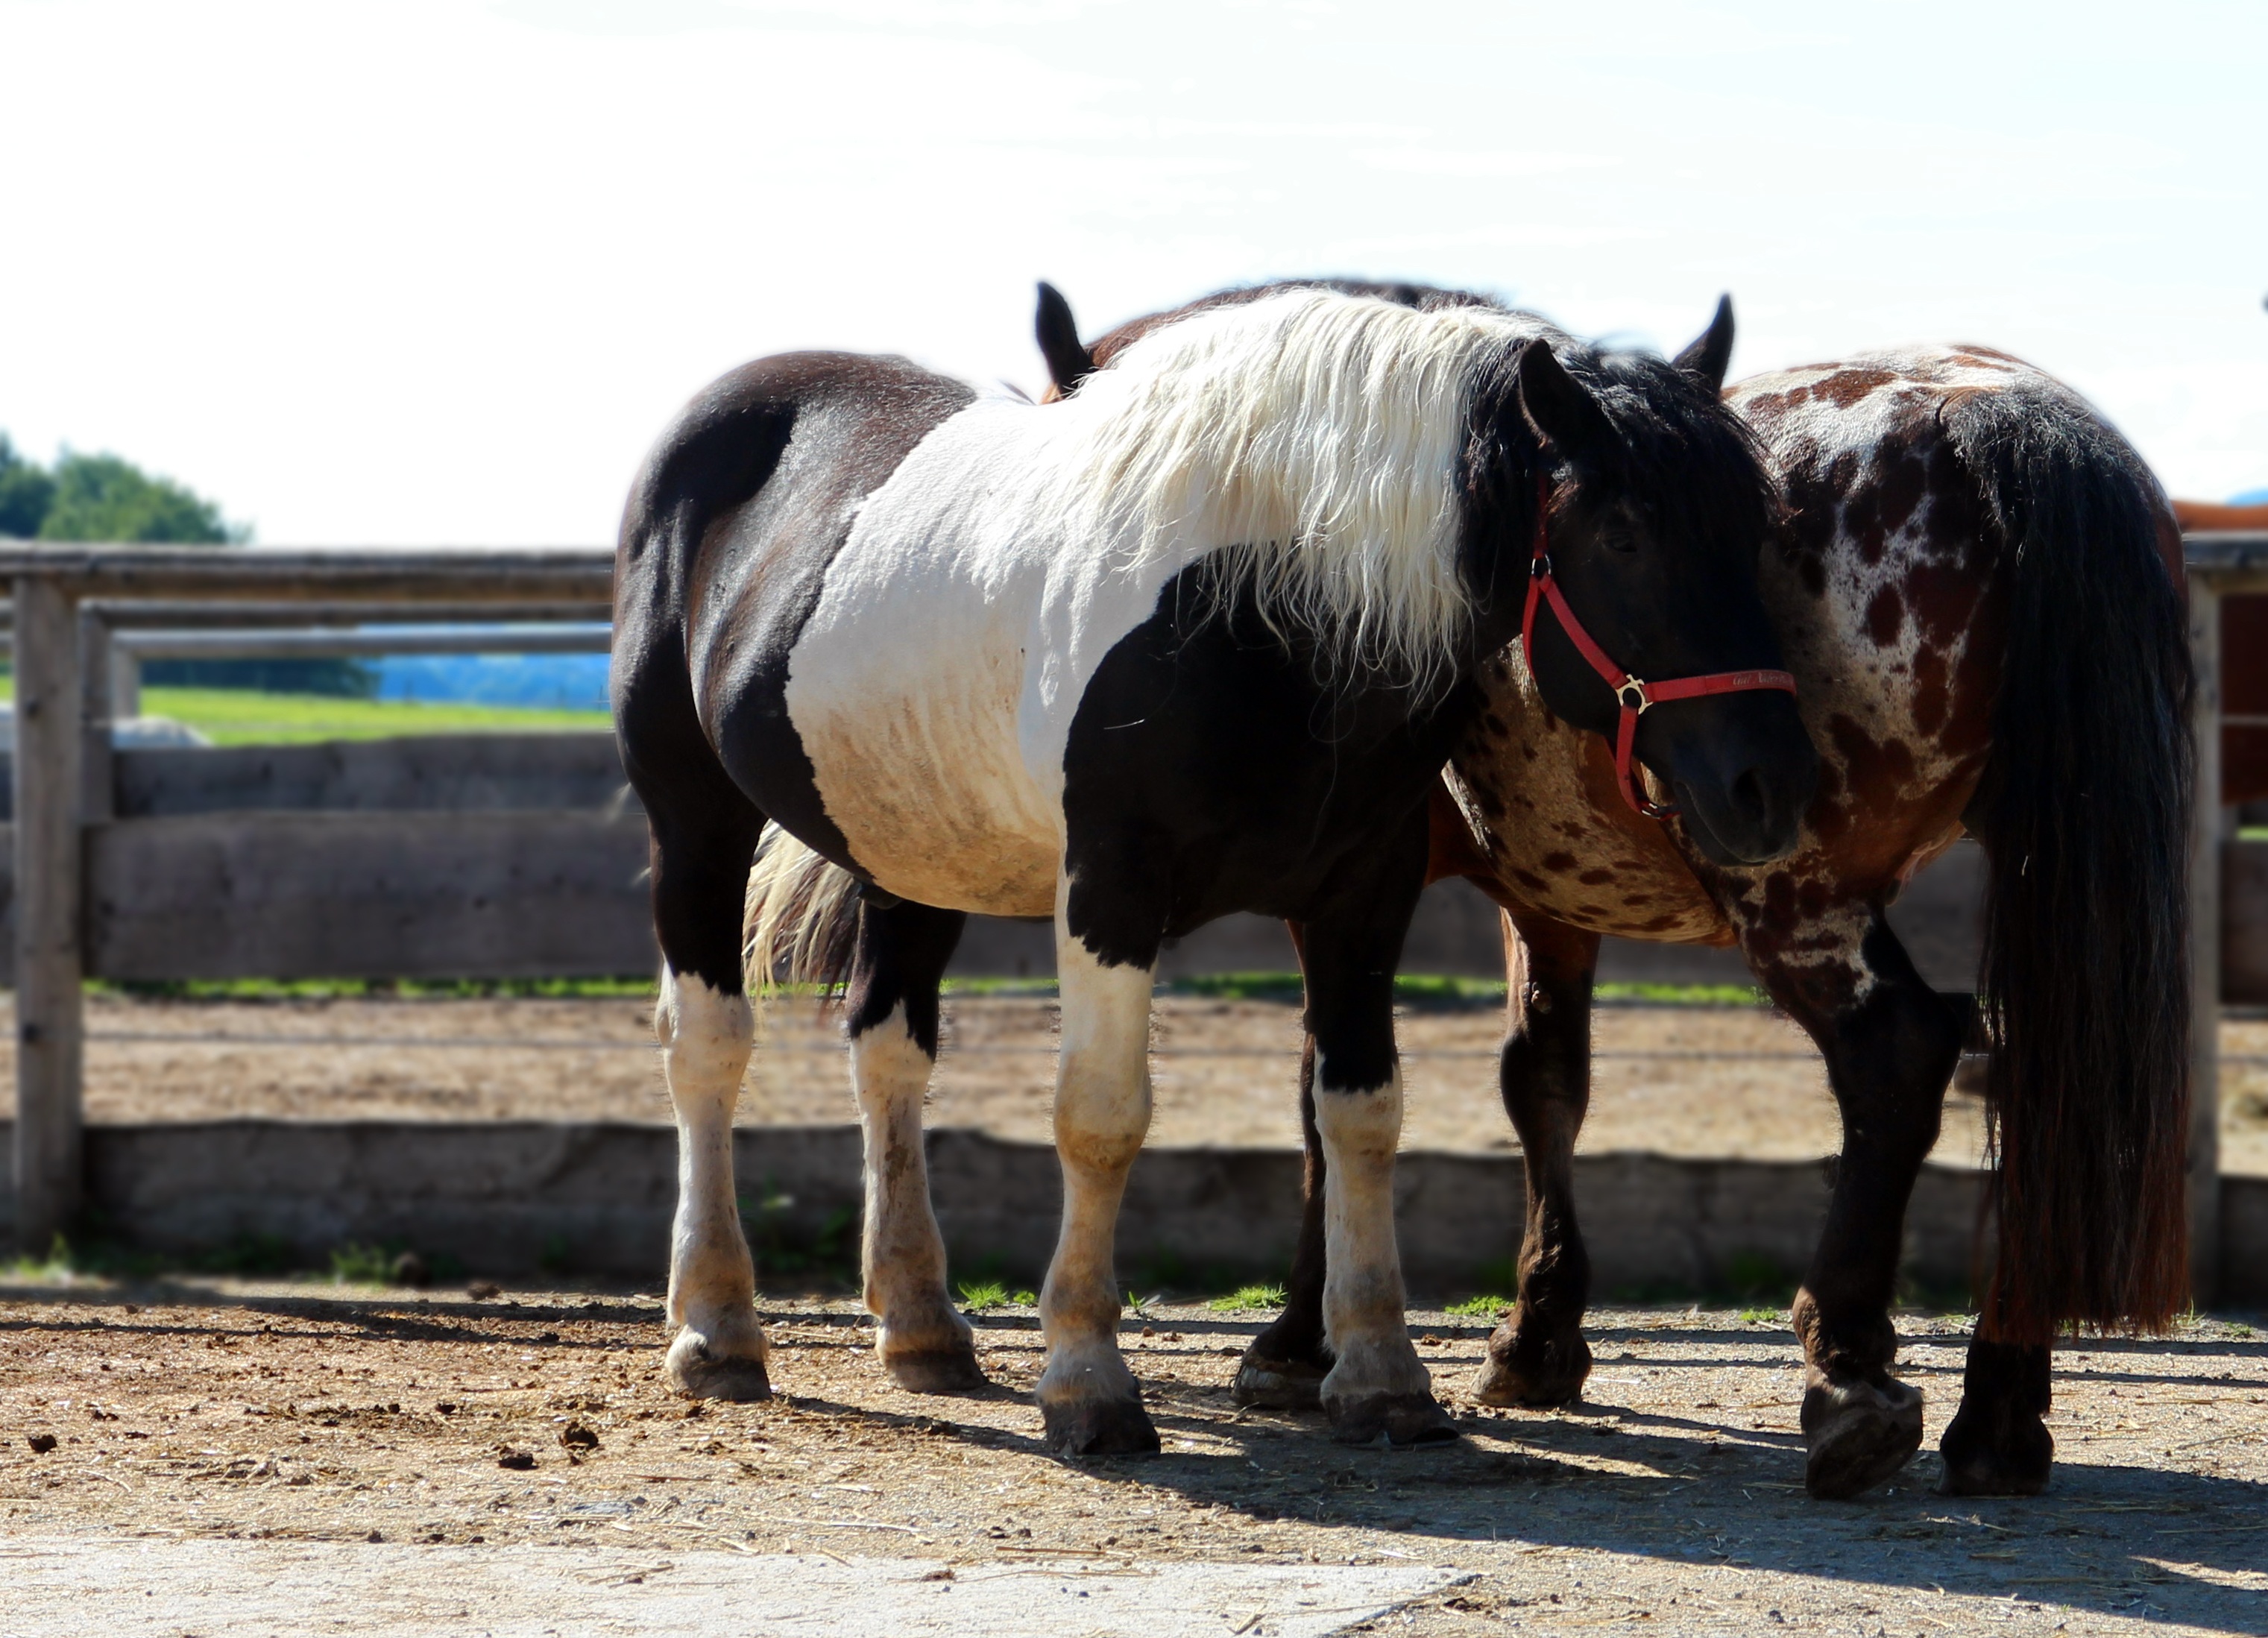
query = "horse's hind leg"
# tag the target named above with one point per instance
(1890, 1042)
(1538, 1356)
(700, 874)
(1997, 1444)
(892, 1021)
(1283, 1367)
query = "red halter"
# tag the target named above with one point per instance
(1633, 695)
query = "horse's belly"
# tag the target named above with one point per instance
(909, 715)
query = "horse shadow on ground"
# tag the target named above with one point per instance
(1703, 1489)
(1699, 1487)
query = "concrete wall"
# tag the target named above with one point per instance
(510, 1197)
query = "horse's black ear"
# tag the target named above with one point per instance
(1068, 362)
(1560, 408)
(1710, 352)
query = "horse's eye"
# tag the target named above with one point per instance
(1620, 540)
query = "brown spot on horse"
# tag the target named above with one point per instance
(1886, 617)
(1846, 388)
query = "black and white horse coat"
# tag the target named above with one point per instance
(1195, 641)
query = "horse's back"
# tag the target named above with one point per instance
(731, 524)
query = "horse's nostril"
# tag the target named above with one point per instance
(1749, 798)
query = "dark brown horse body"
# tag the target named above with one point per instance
(1976, 590)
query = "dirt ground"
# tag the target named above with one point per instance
(536, 1423)
(1679, 1080)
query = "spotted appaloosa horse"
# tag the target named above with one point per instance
(1977, 589)
(1977, 592)
(1198, 640)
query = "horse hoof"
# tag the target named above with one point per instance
(1858, 1434)
(1279, 1385)
(1402, 1420)
(1977, 1463)
(743, 1380)
(1100, 1427)
(1536, 1378)
(937, 1370)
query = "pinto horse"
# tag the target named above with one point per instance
(1978, 589)
(1199, 640)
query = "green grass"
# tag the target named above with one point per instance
(1763, 1315)
(977, 1296)
(353, 1265)
(357, 989)
(1421, 992)
(57, 1264)
(1681, 994)
(1249, 1300)
(1482, 1307)
(244, 717)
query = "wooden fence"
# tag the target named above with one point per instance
(520, 855)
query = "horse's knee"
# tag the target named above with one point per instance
(706, 1034)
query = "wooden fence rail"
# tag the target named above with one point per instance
(54, 694)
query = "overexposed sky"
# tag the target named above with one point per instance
(416, 272)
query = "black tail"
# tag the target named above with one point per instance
(2084, 811)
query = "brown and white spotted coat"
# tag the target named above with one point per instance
(1883, 594)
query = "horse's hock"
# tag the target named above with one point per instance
(521, 855)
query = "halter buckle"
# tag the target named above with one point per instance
(1632, 695)
(1539, 567)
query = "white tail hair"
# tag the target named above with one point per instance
(1313, 438)
(797, 918)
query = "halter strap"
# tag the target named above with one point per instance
(1633, 695)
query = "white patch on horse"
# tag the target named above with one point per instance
(1363, 1299)
(705, 1037)
(1311, 438)
(903, 1256)
(1103, 1113)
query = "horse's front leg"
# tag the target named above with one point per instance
(1890, 1042)
(1538, 1356)
(1088, 1397)
(1377, 1388)
(891, 1016)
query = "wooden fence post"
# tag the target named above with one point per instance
(2206, 835)
(97, 768)
(50, 1172)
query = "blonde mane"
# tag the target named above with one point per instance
(1312, 439)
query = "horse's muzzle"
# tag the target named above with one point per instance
(1744, 774)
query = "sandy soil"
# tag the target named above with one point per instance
(1670, 1496)
(1681, 1080)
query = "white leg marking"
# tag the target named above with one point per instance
(705, 1036)
(1363, 1301)
(904, 1256)
(1103, 1113)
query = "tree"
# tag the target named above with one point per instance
(26, 491)
(102, 497)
